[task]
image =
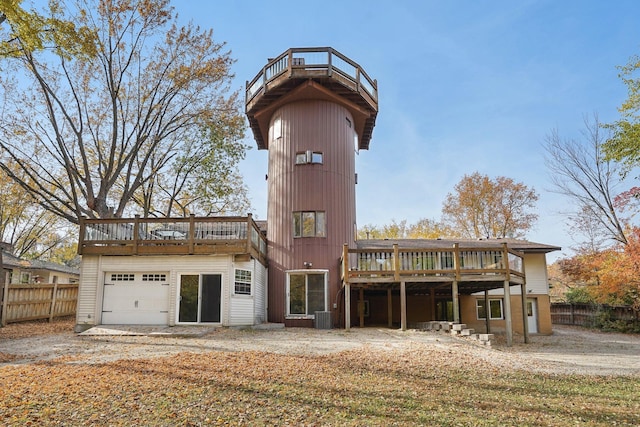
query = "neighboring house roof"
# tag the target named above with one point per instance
(9, 260)
(519, 245)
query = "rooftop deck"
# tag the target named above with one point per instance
(173, 236)
(334, 73)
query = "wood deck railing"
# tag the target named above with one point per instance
(338, 75)
(432, 265)
(323, 61)
(172, 236)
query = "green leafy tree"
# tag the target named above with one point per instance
(140, 127)
(481, 207)
(624, 145)
(30, 31)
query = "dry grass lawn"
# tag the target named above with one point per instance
(416, 385)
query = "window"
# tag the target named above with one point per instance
(154, 277)
(242, 282)
(277, 128)
(309, 224)
(316, 157)
(123, 277)
(309, 157)
(301, 158)
(495, 309)
(25, 278)
(306, 293)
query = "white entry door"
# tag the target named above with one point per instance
(135, 299)
(532, 316)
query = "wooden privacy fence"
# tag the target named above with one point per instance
(585, 314)
(22, 302)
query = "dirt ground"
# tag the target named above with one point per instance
(570, 350)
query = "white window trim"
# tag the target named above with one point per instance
(309, 157)
(223, 277)
(250, 294)
(326, 290)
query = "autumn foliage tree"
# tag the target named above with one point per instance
(424, 228)
(138, 126)
(481, 207)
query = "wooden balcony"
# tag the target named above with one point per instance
(333, 74)
(239, 236)
(474, 268)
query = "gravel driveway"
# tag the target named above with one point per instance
(570, 350)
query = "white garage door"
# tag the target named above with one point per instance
(135, 299)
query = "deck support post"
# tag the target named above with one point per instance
(361, 307)
(525, 314)
(403, 306)
(507, 314)
(347, 306)
(487, 312)
(456, 301)
(432, 294)
(389, 308)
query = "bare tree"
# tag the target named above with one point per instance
(88, 136)
(580, 171)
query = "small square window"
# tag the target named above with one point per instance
(307, 157)
(301, 158)
(316, 157)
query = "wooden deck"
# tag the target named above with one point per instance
(454, 270)
(329, 70)
(473, 268)
(238, 236)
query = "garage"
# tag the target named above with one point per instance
(140, 298)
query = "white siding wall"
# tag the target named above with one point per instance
(260, 284)
(235, 310)
(535, 268)
(90, 282)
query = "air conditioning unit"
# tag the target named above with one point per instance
(323, 320)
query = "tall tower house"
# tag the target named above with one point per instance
(312, 108)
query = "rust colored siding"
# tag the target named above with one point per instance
(317, 126)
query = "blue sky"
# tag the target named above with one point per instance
(464, 86)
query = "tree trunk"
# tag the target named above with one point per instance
(2, 274)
